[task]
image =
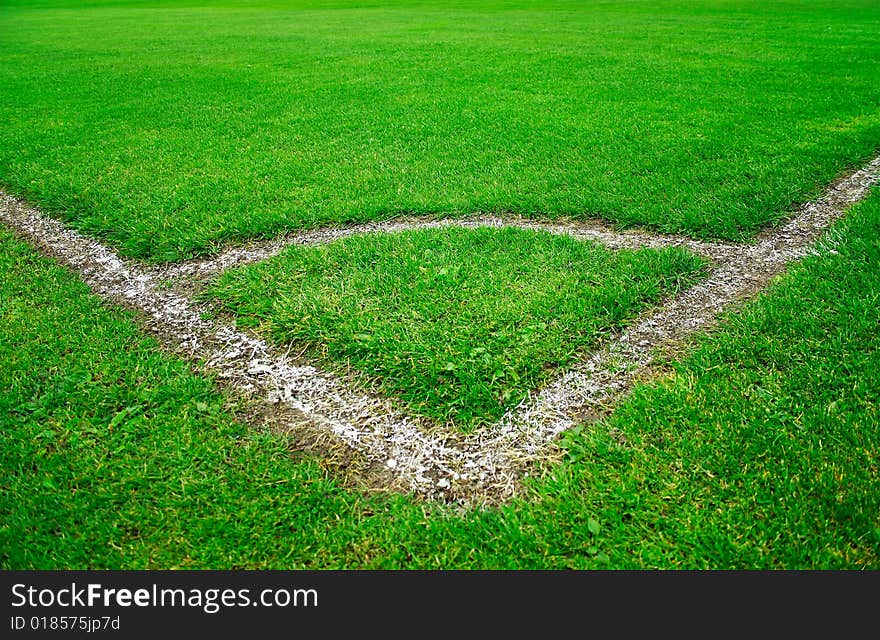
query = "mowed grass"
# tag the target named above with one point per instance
(758, 451)
(460, 324)
(168, 128)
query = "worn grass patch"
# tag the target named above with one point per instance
(458, 323)
(170, 127)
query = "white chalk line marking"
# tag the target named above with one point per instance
(257, 251)
(484, 466)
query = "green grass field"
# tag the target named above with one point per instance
(759, 451)
(169, 128)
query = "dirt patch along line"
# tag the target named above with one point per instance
(481, 467)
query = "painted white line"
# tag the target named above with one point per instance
(257, 251)
(482, 466)
(556, 407)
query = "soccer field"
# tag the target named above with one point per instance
(440, 285)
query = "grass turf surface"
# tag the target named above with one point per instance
(458, 323)
(170, 127)
(757, 451)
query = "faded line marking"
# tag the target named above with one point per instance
(480, 467)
